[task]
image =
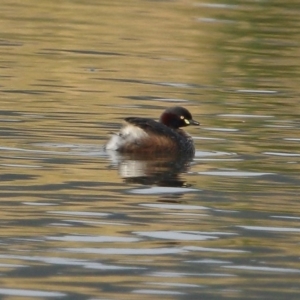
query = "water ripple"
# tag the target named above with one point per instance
(30, 293)
(174, 206)
(125, 251)
(234, 173)
(263, 269)
(276, 229)
(177, 235)
(93, 239)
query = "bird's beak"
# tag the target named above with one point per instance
(193, 122)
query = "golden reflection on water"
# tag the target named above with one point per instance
(71, 71)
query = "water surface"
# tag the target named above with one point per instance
(79, 223)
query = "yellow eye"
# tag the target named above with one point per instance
(187, 122)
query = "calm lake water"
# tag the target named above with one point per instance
(78, 223)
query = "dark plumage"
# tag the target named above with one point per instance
(144, 135)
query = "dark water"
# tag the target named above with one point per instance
(78, 223)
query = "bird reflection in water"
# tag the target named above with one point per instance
(160, 170)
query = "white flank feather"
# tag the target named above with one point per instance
(128, 135)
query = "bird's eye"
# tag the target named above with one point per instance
(182, 117)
